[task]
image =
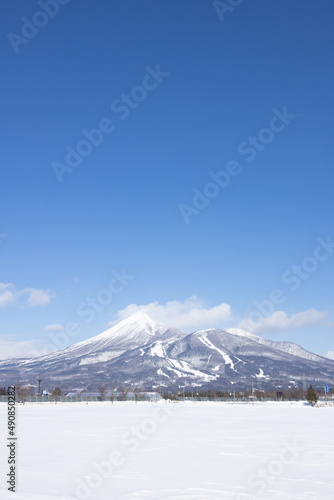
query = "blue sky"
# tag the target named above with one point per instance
(181, 92)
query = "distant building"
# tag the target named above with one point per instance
(130, 396)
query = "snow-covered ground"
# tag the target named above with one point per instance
(174, 451)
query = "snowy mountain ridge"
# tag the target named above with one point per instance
(288, 347)
(141, 352)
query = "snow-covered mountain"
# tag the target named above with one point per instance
(141, 352)
(288, 347)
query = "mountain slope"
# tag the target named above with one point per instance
(130, 333)
(288, 347)
(141, 352)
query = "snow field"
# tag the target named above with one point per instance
(170, 451)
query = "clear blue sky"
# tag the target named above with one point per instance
(222, 77)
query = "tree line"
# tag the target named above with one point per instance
(112, 392)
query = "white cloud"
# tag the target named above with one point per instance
(30, 297)
(21, 349)
(329, 354)
(55, 327)
(6, 298)
(279, 321)
(189, 315)
(37, 297)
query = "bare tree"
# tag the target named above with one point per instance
(80, 392)
(123, 392)
(56, 391)
(113, 392)
(137, 392)
(102, 390)
(22, 393)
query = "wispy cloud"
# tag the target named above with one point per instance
(329, 354)
(6, 295)
(189, 315)
(279, 321)
(20, 348)
(55, 327)
(29, 297)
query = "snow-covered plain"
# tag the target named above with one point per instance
(174, 451)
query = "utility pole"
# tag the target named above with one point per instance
(39, 380)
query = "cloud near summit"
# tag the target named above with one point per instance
(279, 321)
(193, 314)
(188, 315)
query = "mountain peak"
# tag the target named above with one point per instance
(243, 333)
(137, 317)
(138, 327)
